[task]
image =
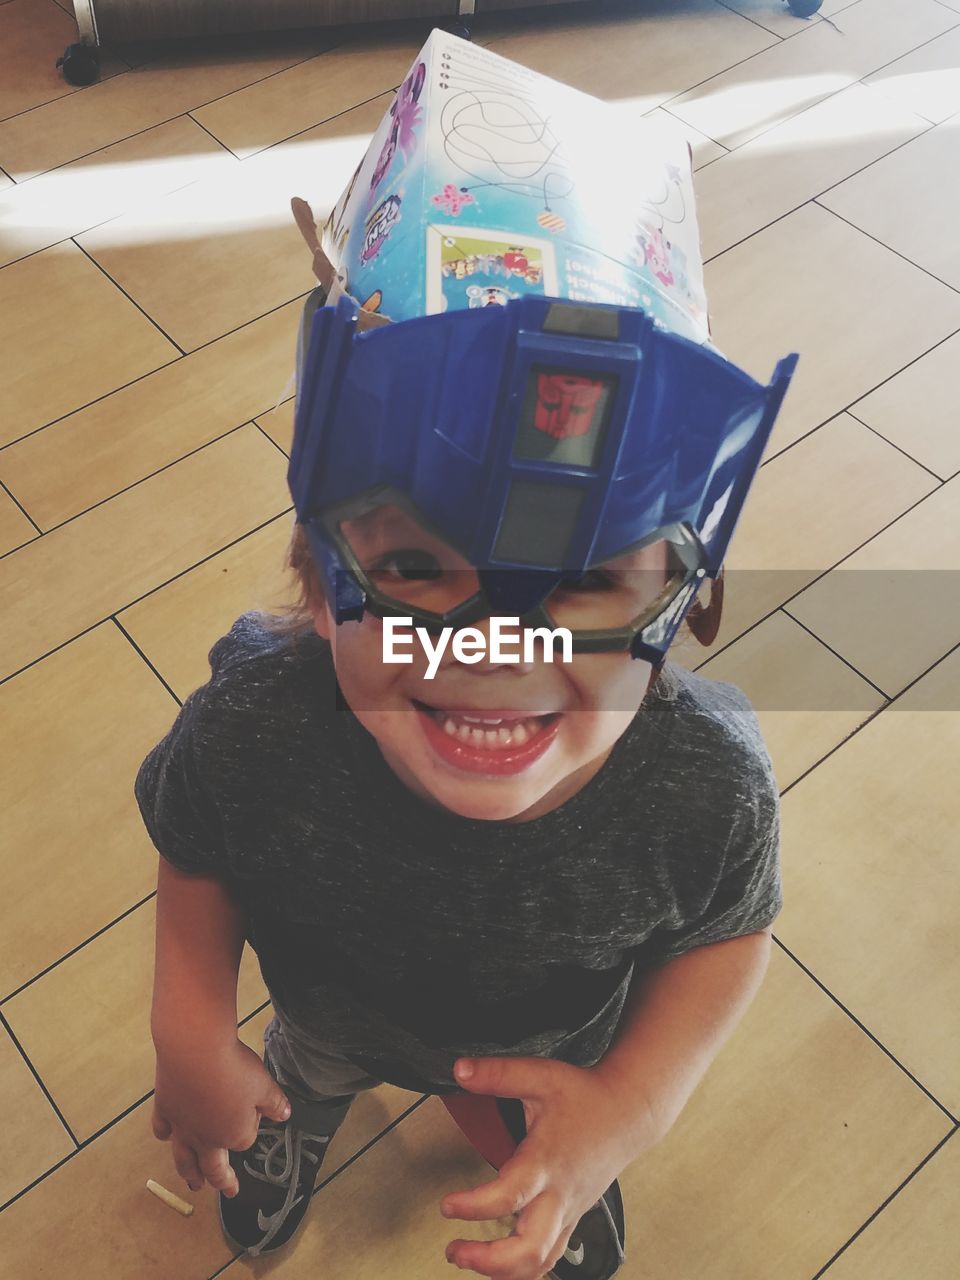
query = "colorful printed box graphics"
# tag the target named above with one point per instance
(486, 181)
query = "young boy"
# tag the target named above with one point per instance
(537, 882)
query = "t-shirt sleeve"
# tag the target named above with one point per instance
(749, 893)
(177, 808)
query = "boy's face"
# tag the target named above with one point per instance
(549, 726)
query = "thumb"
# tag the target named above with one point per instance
(274, 1105)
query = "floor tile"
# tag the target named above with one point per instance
(788, 165)
(116, 108)
(870, 871)
(917, 1234)
(218, 254)
(177, 625)
(93, 454)
(4, 180)
(916, 409)
(76, 856)
(813, 284)
(645, 58)
(33, 34)
(775, 16)
(927, 80)
(762, 1159)
(893, 608)
(33, 1137)
(15, 528)
(98, 1201)
(797, 73)
(85, 1026)
(285, 104)
(83, 194)
(278, 424)
(806, 699)
(910, 201)
(705, 149)
(58, 306)
(778, 547)
(82, 572)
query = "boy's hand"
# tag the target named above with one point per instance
(208, 1101)
(581, 1133)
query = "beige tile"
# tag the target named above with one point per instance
(342, 78)
(916, 409)
(278, 424)
(797, 73)
(80, 195)
(220, 253)
(801, 1128)
(869, 854)
(96, 452)
(57, 311)
(34, 1139)
(910, 201)
(776, 17)
(114, 109)
(60, 584)
(116, 1229)
(806, 699)
(75, 854)
(33, 34)
(926, 81)
(788, 165)
(15, 528)
(798, 519)
(645, 59)
(705, 149)
(918, 1233)
(177, 625)
(893, 608)
(85, 1026)
(812, 284)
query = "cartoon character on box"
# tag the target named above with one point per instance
(406, 116)
(489, 296)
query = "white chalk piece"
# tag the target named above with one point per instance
(169, 1198)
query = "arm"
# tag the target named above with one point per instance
(675, 1022)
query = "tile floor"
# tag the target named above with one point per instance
(148, 304)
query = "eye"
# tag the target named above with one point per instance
(591, 580)
(410, 565)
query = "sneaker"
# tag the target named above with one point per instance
(276, 1177)
(595, 1249)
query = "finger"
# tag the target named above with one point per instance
(520, 1179)
(160, 1124)
(215, 1167)
(525, 1254)
(185, 1162)
(275, 1104)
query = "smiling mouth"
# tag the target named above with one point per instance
(489, 731)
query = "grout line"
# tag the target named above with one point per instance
(4, 174)
(36, 1075)
(129, 637)
(916, 265)
(79, 947)
(873, 715)
(133, 381)
(130, 603)
(926, 1159)
(283, 453)
(730, 9)
(128, 296)
(219, 141)
(941, 479)
(13, 498)
(853, 1018)
(316, 124)
(846, 662)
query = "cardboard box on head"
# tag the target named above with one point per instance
(486, 181)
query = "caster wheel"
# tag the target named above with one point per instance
(804, 8)
(80, 64)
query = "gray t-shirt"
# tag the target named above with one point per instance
(407, 936)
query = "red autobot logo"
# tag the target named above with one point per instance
(566, 404)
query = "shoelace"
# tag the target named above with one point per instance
(270, 1139)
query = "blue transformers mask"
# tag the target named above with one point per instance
(568, 464)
